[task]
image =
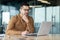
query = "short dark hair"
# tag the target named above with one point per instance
(24, 4)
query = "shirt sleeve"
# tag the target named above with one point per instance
(30, 25)
(11, 28)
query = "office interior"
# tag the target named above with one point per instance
(40, 11)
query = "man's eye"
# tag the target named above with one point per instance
(26, 10)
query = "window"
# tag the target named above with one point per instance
(39, 14)
(5, 17)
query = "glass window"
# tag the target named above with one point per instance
(5, 17)
(39, 14)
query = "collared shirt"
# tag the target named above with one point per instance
(17, 25)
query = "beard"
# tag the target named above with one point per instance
(26, 14)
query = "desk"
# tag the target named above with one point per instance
(48, 37)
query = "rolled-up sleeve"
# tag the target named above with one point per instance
(11, 27)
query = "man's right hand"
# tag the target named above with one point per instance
(24, 32)
(25, 18)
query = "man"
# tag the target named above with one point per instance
(21, 24)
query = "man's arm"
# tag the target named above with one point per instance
(13, 32)
(30, 26)
(11, 27)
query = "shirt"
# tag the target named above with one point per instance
(17, 25)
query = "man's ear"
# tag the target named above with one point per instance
(20, 10)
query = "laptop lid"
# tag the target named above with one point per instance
(44, 28)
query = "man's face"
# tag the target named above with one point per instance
(24, 10)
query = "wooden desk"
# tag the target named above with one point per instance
(48, 37)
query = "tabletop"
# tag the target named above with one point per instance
(19, 37)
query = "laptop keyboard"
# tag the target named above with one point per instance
(31, 34)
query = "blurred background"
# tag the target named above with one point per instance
(41, 10)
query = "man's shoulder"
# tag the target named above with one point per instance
(30, 17)
(16, 16)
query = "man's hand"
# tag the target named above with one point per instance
(25, 18)
(24, 32)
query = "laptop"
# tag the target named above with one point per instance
(44, 29)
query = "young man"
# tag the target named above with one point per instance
(21, 24)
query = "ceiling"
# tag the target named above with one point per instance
(5, 2)
(31, 2)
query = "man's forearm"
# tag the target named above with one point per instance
(13, 32)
